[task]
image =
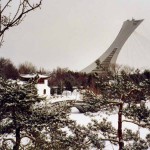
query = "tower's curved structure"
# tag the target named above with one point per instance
(111, 54)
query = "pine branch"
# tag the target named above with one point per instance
(139, 124)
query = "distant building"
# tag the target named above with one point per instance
(42, 83)
(104, 63)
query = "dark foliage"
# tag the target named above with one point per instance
(7, 69)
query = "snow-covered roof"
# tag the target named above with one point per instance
(28, 76)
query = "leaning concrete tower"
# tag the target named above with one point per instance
(103, 63)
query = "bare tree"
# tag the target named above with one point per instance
(127, 69)
(26, 68)
(12, 13)
(115, 68)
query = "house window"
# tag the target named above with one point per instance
(44, 92)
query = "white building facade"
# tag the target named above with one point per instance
(42, 83)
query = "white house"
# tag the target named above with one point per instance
(42, 83)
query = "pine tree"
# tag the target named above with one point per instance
(127, 96)
(15, 103)
(24, 114)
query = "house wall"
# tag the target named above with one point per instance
(43, 89)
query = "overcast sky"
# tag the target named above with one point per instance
(74, 33)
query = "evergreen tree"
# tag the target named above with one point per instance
(122, 94)
(7, 69)
(16, 102)
(25, 115)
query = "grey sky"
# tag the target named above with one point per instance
(73, 33)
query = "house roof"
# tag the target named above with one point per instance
(29, 76)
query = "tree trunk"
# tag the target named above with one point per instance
(121, 144)
(18, 139)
